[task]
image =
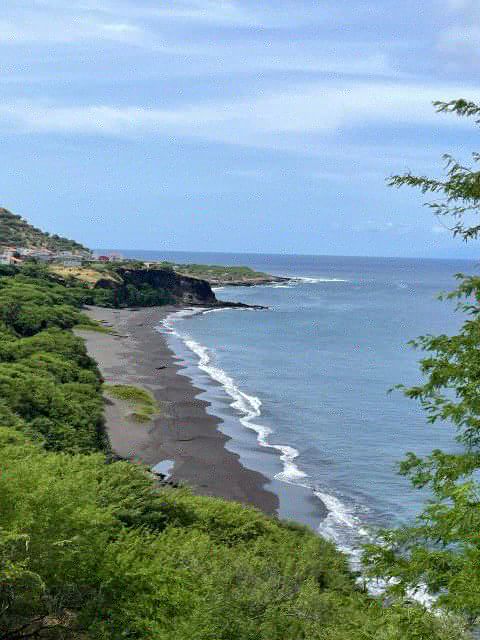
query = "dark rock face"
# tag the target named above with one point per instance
(184, 289)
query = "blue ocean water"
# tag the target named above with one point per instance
(303, 387)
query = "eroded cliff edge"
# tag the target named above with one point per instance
(177, 289)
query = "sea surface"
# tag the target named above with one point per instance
(303, 386)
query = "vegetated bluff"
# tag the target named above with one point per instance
(16, 231)
(122, 285)
(134, 285)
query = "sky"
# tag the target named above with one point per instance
(236, 126)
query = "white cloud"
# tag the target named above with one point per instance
(61, 21)
(50, 21)
(224, 12)
(464, 6)
(253, 56)
(274, 120)
(57, 29)
(227, 13)
(182, 29)
(460, 38)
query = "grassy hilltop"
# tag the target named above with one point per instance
(15, 231)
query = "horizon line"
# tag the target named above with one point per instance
(304, 255)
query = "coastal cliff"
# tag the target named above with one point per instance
(149, 287)
(180, 289)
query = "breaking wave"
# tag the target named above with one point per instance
(342, 525)
(311, 280)
(247, 406)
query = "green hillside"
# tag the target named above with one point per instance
(93, 548)
(16, 231)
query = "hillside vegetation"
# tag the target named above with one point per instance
(15, 231)
(91, 548)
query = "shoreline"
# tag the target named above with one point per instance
(138, 354)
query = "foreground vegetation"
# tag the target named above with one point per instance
(92, 548)
(441, 550)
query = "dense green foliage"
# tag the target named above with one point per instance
(95, 551)
(92, 548)
(442, 549)
(15, 231)
(129, 295)
(46, 377)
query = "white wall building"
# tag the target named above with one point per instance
(72, 261)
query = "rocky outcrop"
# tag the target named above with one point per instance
(184, 289)
(179, 289)
(249, 282)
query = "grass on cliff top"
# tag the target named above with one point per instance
(87, 274)
(144, 405)
(207, 271)
(91, 274)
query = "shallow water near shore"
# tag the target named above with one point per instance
(302, 387)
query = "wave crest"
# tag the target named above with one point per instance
(248, 406)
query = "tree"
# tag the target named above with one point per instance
(461, 185)
(441, 550)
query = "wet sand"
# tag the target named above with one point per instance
(183, 432)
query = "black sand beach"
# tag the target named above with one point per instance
(184, 431)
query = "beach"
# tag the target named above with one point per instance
(136, 353)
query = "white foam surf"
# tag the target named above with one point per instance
(342, 524)
(313, 280)
(342, 527)
(297, 280)
(247, 406)
(216, 310)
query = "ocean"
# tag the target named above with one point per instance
(302, 387)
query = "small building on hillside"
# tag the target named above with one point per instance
(103, 258)
(41, 256)
(72, 261)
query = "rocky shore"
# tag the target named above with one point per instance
(248, 282)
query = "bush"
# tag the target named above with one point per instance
(98, 550)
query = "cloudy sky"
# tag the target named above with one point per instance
(232, 125)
